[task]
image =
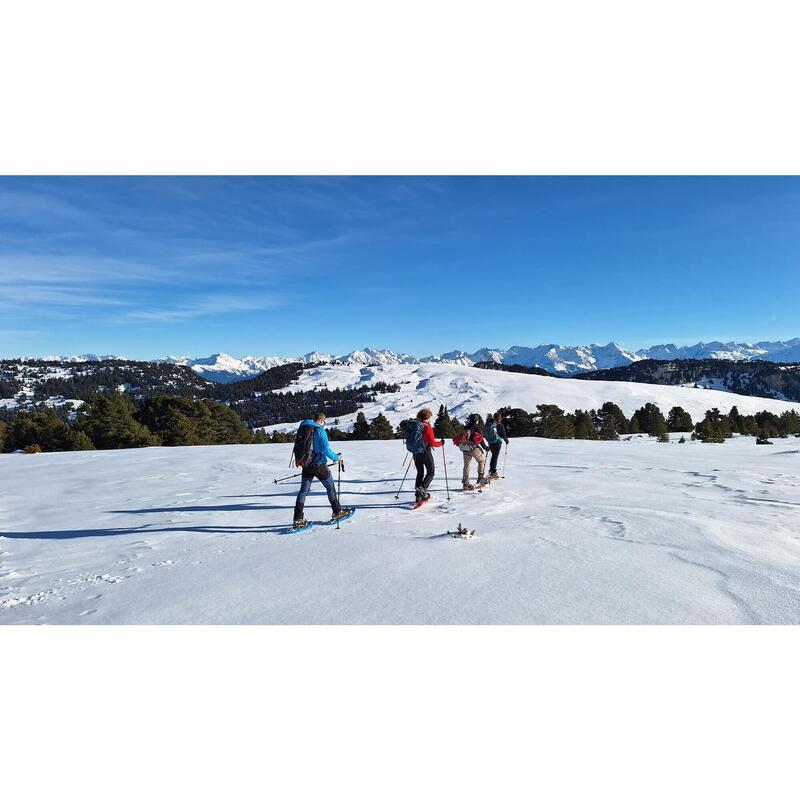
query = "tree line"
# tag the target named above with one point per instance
(607, 423)
(113, 421)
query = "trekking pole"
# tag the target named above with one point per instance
(505, 458)
(446, 482)
(288, 477)
(397, 496)
(339, 491)
(280, 480)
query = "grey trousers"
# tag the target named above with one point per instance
(477, 454)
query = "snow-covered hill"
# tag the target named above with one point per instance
(578, 532)
(465, 390)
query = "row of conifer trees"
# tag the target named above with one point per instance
(112, 421)
(606, 423)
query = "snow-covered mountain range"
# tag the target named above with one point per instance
(556, 358)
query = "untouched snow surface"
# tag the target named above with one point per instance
(466, 389)
(579, 532)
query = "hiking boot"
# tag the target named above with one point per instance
(483, 481)
(344, 511)
(299, 519)
(300, 523)
(493, 476)
(467, 487)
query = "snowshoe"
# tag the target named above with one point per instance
(420, 502)
(493, 476)
(468, 487)
(300, 525)
(344, 513)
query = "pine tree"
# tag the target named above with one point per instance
(260, 436)
(583, 423)
(360, 427)
(648, 419)
(609, 431)
(518, 422)
(551, 422)
(443, 425)
(613, 411)
(659, 427)
(43, 428)
(381, 428)
(679, 421)
(2, 436)
(769, 423)
(80, 441)
(790, 422)
(108, 420)
(714, 428)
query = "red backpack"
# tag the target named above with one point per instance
(461, 441)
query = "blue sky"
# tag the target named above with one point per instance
(145, 267)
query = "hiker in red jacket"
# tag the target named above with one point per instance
(472, 445)
(424, 461)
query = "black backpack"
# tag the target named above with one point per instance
(303, 446)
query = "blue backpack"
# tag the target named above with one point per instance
(412, 432)
(490, 432)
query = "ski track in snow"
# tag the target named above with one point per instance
(578, 532)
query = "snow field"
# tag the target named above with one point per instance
(578, 532)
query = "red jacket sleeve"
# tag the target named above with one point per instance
(428, 436)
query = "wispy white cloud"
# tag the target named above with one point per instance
(42, 296)
(38, 208)
(71, 270)
(203, 306)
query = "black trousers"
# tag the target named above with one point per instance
(495, 448)
(425, 469)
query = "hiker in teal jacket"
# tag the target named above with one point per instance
(318, 468)
(495, 434)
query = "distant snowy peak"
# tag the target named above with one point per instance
(564, 360)
(559, 359)
(781, 351)
(369, 357)
(81, 358)
(731, 351)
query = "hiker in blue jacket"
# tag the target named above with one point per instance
(317, 468)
